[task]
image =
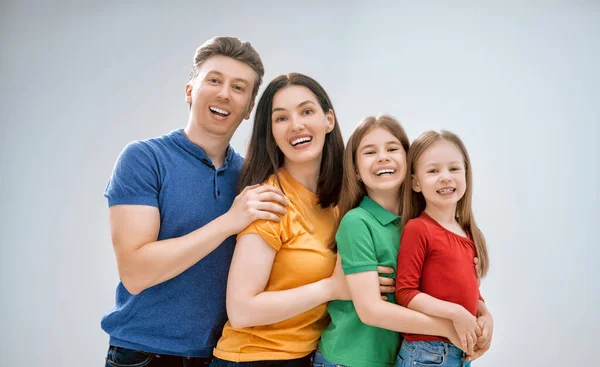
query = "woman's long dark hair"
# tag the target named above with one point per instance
(264, 157)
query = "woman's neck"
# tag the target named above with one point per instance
(307, 174)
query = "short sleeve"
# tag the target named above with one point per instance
(269, 230)
(355, 245)
(134, 179)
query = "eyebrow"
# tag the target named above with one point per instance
(239, 80)
(300, 105)
(372, 145)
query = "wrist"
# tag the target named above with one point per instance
(227, 224)
(455, 312)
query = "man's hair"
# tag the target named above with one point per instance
(234, 48)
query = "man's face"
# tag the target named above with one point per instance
(220, 95)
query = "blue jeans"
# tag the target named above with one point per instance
(320, 361)
(416, 354)
(124, 357)
(299, 362)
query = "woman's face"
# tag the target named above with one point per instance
(300, 125)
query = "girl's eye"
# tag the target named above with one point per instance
(393, 149)
(454, 169)
(369, 152)
(280, 118)
(432, 171)
(308, 112)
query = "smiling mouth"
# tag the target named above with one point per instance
(300, 141)
(218, 111)
(446, 191)
(385, 172)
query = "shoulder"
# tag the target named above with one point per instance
(356, 218)
(417, 225)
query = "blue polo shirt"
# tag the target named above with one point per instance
(184, 315)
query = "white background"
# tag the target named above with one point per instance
(519, 84)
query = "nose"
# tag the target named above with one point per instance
(383, 157)
(445, 176)
(224, 92)
(297, 123)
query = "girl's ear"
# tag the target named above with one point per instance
(415, 184)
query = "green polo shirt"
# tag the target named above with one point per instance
(368, 236)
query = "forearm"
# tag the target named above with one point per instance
(394, 317)
(271, 307)
(159, 261)
(432, 306)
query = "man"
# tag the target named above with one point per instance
(174, 214)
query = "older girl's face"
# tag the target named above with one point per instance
(381, 161)
(300, 125)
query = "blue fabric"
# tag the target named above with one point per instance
(421, 353)
(185, 315)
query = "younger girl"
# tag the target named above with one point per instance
(364, 332)
(439, 240)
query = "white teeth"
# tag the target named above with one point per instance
(300, 140)
(382, 171)
(445, 191)
(218, 110)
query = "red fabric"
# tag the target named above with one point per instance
(438, 262)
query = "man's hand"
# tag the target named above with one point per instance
(256, 202)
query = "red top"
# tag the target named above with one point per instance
(438, 262)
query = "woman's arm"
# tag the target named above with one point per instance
(247, 302)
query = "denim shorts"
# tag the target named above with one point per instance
(320, 361)
(427, 354)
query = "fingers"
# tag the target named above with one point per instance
(384, 298)
(470, 343)
(477, 268)
(270, 196)
(385, 270)
(270, 207)
(387, 289)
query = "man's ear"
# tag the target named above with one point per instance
(188, 93)
(250, 108)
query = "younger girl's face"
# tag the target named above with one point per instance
(381, 161)
(440, 174)
(300, 125)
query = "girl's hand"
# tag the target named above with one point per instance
(466, 328)
(386, 285)
(486, 323)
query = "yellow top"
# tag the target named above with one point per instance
(301, 240)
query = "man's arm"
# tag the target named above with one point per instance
(143, 261)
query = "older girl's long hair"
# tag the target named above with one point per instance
(353, 190)
(414, 202)
(264, 157)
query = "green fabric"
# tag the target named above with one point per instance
(368, 237)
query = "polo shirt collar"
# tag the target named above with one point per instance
(382, 215)
(183, 141)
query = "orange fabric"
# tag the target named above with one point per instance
(301, 240)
